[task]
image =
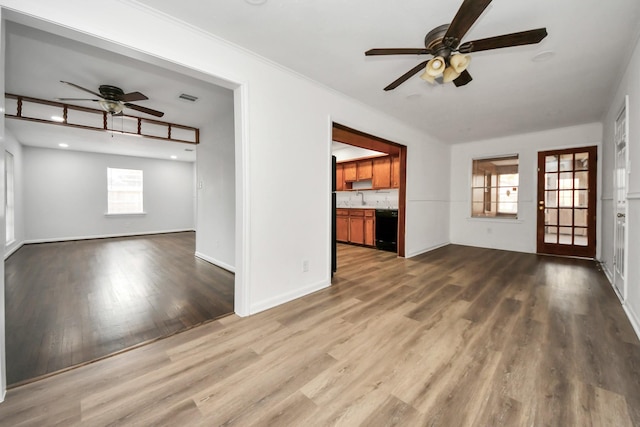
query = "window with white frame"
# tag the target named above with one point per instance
(124, 188)
(9, 197)
(494, 187)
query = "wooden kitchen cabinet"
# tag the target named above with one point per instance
(356, 226)
(395, 172)
(342, 225)
(350, 171)
(370, 227)
(340, 177)
(382, 172)
(365, 169)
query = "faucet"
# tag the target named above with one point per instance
(362, 199)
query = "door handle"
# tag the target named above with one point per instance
(621, 215)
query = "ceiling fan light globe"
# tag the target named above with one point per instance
(113, 107)
(428, 77)
(459, 62)
(450, 74)
(435, 66)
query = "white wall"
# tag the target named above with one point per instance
(14, 147)
(508, 234)
(629, 85)
(65, 195)
(3, 364)
(428, 187)
(216, 215)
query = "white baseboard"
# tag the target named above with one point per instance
(424, 251)
(4, 394)
(609, 275)
(104, 236)
(633, 318)
(607, 272)
(13, 248)
(631, 315)
(289, 296)
(216, 262)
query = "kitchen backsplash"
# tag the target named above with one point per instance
(382, 199)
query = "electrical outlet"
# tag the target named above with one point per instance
(305, 266)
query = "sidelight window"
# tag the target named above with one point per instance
(494, 187)
(124, 188)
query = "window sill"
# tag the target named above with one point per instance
(496, 219)
(126, 214)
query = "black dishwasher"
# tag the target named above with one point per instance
(387, 229)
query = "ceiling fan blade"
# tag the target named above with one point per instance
(463, 79)
(77, 99)
(81, 88)
(403, 78)
(398, 51)
(144, 109)
(133, 96)
(469, 12)
(506, 40)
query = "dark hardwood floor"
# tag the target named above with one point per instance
(68, 303)
(459, 336)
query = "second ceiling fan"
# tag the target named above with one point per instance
(449, 62)
(113, 100)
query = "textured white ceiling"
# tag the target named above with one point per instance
(326, 40)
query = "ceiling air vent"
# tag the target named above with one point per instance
(188, 97)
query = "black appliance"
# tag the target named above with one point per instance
(334, 262)
(387, 229)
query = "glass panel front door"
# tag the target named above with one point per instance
(566, 202)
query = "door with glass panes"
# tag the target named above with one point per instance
(567, 202)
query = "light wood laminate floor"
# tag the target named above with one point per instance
(459, 336)
(68, 303)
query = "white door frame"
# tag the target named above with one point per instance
(620, 205)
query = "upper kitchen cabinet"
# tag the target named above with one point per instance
(382, 172)
(395, 172)
(350, 171)
(340, 177)
(365, 169)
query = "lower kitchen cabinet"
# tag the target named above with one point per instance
(342, 225)
(356, 226)
(370, 227)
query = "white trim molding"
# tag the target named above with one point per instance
(103, 236)
(289, 296)
(216, 262)
(633, 318)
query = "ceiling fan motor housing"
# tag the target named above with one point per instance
(111, 93)
(434, 42)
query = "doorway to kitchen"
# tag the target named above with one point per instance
(370, 185)
(567, 202)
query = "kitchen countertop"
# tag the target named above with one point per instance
(386, 208)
